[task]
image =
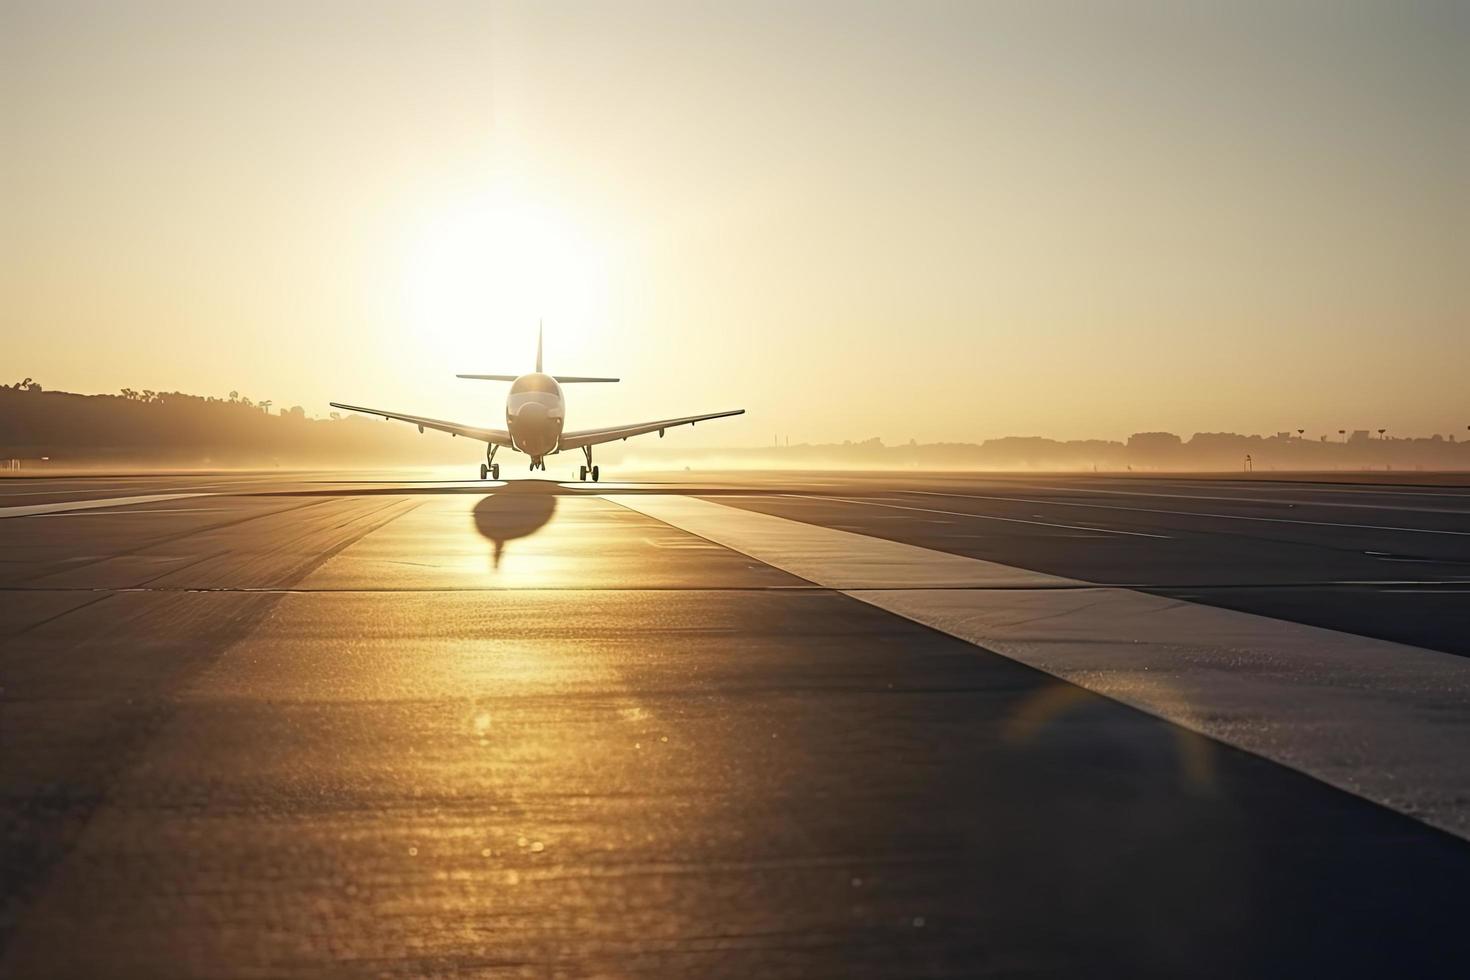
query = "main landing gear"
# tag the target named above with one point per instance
(582, 473)
(490, 469)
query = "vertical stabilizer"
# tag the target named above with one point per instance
(538, 346)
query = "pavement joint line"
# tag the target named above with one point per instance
(1240, 499)
(1356, 713)
(1187, 513)
(1348, 489)
(983, 517)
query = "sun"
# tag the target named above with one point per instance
(479, 275)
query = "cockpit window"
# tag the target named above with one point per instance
(534, 382)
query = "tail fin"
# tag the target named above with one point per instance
(512, 377)
(563, 378)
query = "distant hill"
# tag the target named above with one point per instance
(173, 428)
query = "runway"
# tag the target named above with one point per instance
(733, 725)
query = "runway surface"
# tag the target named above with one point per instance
(798, 725)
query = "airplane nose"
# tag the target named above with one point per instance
(531, 412)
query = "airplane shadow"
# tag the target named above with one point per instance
(516, 510)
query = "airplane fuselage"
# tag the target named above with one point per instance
(535, 412)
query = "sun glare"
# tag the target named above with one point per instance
(478, 277)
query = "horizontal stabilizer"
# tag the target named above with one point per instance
(563, 378)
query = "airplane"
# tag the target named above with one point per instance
(534, 413)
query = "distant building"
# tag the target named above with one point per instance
(1154, 441)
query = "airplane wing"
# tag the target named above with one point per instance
(498, 437)
(593, 437)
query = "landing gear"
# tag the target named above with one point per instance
(484, 471)
(588, 468)
(494, 471)
(490, 468)
(581, 474)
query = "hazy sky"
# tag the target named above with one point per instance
(938, 221)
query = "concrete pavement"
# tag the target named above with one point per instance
(309, 727)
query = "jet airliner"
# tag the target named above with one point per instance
(534, 414)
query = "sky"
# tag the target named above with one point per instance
(911, 220)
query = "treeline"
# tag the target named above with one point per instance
(173, 428)
(1143, 451)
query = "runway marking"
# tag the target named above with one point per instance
(1187, 513)
(33, 510)
(1444, 592)
(1245, 499)
(139, 513)
(1382, 720)
(829, 557)
(1307, 486)
(107, 489)
(982, 517)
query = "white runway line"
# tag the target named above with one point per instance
(1187, 513)
(833, 559)
(110, 489)
(33, 510)
(1306, 486)
(136, 513)
(979, 517)
(1243, 499)
(1385, 721)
